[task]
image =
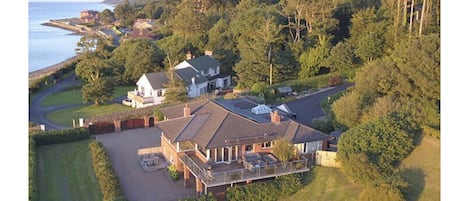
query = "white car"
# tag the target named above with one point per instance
(127, 102)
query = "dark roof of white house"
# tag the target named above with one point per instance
(157, 80)
(187, 74)
(204, 63)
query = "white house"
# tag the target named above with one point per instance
(208, 67)
(200, 74)
(149, 91)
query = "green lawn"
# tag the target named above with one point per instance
(74, 96)
(65, 172)
(64, 117)
(421, 169)
(328, 184)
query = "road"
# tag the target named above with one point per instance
(309, 107)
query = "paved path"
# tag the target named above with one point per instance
(138, 185)
(309, 107)
(37, 112)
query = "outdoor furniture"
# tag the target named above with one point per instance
(269, 159)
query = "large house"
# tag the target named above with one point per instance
(223, 142)
(201, 75)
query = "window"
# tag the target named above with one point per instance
(159, 93)
(266, 145)
(248, 148)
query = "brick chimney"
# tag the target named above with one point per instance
(189, 55)
(187, 111)
(275, 117)
(209, 53)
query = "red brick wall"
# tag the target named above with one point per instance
(170, 153)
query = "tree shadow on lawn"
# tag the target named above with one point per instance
(415, 177)
(308, 177)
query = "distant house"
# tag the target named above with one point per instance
(89, 16)
(200, 74)
(142, 28)
(222, 142)
(149, 91)
(209, 68)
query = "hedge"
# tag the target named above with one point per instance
(33, 188)
(37, 138)
(107, 179)
(208, 197)
(309, 83)
(262, 191)
(61, 136)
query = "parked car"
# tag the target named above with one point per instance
(127, 102)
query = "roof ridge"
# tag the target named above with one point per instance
(236, 114)
(182, 130)
(218, 128)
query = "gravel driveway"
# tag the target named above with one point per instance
(138, 185)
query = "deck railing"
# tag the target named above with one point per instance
(211, 179)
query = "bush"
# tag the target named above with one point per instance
(33, 189)
(61, 136)
(325, 124)
(173, 173)
(334, 81)
(107, 179)
(382, 193)
(208, 197)
(262, 191)
(309, 83)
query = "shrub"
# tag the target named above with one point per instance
(33, 189)
(324, 124)
(382, 193)
(107, 179)
(173, 173)
(208, 197)
(262, 191)
(61, 136)
(334, 81)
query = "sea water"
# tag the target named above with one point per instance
(51, 45)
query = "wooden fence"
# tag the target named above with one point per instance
(101, 128)
(326, 159)
(132, 124)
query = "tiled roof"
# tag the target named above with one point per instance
(211, 126)
(157, 79)
(204, 63)
(187, 74)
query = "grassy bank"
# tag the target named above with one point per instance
(65, 172)
(421, 169)
(64, 117)
(323, 183)
(74, 95)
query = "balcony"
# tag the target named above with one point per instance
(135, 96)
(223, 174)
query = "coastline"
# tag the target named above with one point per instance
(50, 69)
(82, 30)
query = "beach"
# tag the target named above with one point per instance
(51, 69)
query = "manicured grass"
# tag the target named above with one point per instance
(75, 96)
(421, 170)
(324, 183)
(64, 117)
(65, 172)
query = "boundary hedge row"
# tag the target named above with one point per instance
(263, 191)
(61, 136)
(33, 188)
(37, 138)
(107, 179)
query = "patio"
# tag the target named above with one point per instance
(255, 166)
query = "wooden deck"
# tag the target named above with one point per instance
(223, 174)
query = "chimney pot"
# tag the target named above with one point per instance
(189, 55)
(275, 117)
(209, 53)
(187, 111)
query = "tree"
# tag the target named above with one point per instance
(367, 34)
(98, 91)
(107, 16)
(126, 13)
(370, 153)
(313, 59)
(347, 110)
(283, 150)
(138, 57)
(152, 10)
(176, 88)
(223, 43)
(341, 57)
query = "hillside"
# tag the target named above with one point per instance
(421, 169)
